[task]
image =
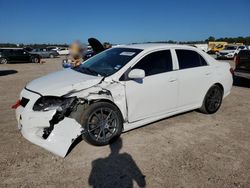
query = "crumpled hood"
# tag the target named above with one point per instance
(62, 82)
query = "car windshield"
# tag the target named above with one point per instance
(108, 62)
(230, 48)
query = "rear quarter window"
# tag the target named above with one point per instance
(189, 59)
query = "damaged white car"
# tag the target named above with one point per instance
(118, 90)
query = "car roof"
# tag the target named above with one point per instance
(152, 46)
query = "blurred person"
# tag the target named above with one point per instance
(76, 51)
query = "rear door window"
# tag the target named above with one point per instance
(19, 52)
(189, 59)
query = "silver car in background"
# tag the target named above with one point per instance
(45, 53)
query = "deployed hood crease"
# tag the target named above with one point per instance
(61, 82)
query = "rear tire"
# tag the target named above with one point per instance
(212, 100)
(3, 61)
(35, 60)
(102, 123)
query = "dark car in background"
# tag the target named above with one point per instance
(242, 64)
(45, 53)
(17, 55)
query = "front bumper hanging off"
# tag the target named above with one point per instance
(32, 125)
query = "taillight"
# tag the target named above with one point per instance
(237, 60)
(231, 70)
(15, 106)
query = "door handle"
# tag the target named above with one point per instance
(208, 73)
(172, 79)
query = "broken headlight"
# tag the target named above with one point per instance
(47, 103)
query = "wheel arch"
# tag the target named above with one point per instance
(108, 101)
(215, 84)
(35, 56)
(220, 86)
(203, 108)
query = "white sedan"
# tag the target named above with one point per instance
(63, 51)
(118, 90)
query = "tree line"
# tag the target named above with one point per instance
(13, 45)
(244, 40)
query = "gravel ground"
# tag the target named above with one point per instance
(187, 150)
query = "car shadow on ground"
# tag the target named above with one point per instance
(116, 170)
(15, 63)
(7, 72)
(241, 82)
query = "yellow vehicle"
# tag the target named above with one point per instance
(214, 47)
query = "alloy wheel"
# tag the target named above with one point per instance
(214, 99)
(3, 61)
(102, 124)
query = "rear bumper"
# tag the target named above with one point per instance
(31, 124)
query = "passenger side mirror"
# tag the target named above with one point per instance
(136, 74)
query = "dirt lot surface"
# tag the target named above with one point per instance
(188, 150)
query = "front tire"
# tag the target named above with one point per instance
(3, 61)
(102, 123)
(212, 100)
(51, 56)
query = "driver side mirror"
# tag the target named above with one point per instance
(24, 52)
(136, 74)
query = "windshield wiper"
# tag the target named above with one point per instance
(91, 71)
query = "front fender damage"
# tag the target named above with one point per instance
(65, 126)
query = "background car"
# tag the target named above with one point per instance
(242, 64)
(9, 55)
(45, 53)
(55, 48)
(63, 51)
(230, 51)
(215, 46)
